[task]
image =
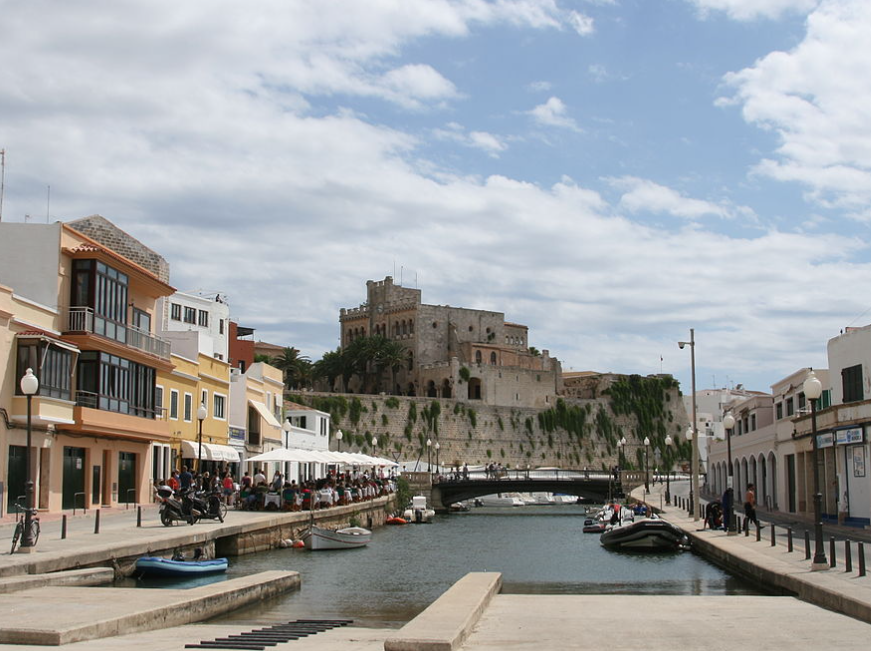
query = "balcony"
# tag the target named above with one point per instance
(81, 320)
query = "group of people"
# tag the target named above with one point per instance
(256, 493)
(717, 514)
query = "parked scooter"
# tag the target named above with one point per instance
(209, 504)
(176, 509)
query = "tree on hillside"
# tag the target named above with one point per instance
(329, 367)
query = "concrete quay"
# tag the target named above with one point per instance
(474, 616)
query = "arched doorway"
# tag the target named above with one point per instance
(474, 388)
(431, 389)
(446, 388)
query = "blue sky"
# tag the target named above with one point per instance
(610, 173)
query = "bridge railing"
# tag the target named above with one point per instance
(531, 474)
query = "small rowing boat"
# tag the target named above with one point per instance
(317, 538)
(646, 535)
(167, 567)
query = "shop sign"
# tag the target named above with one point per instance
(849, 436)
(237, 434)
(825, 440)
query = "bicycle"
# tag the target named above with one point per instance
(18, 535)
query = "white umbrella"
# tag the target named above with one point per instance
(287, 454)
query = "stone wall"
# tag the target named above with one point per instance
(474, 433)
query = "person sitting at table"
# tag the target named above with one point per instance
(288, 496)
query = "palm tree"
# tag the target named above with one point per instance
(330, 366)
(293, 365)
(389, 355)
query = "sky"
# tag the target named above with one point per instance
(610, 173)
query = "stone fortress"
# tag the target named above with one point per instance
(442, 340)
(472, 388)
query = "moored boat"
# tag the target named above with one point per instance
(500, 500)
(418, 511)
(317, 538)
(652, 534)
(168, 567)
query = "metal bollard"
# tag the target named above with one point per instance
(138, 516)
(773, 541)
(833, 561)
(97, 522)
(788, 538)
(807, 545)
(861, 552)
(63, 527)
(848, 557)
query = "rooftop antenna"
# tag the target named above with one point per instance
(2, 180)
(401, 269)
(47, 203)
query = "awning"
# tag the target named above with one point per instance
(264, 412)
(211, 452)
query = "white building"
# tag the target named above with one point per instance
(205, 317)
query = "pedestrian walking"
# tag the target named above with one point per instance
(750, 507)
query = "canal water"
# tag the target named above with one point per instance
(538, 549)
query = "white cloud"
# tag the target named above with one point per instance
(490, 143)
(540, 86)
(753, 9)
(815, 97)
(236, 145)
(645, 196)
(581, 23)
(553, 113)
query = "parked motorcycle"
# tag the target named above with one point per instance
(176, 509)
(210, 505)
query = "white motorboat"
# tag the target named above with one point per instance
(317, 539)
(538, 499)
(419, 512)
(500, 499)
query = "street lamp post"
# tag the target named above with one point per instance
(646, 465)
(339, 441)
(29, 387)
(201, 416)
(668, 442)
(428, 456)
(729, 424)
(694, 497)
(437, 448)
(623, 453)
(813, 389)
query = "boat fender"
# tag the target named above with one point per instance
(298, 544)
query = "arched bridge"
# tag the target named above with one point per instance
(592, 486)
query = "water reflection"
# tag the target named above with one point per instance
(405, 568)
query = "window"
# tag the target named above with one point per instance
(51, 365)
(220, 326)
(173, 404)
(158, 401)
(789, 407)
(218, 405)
(175, 312)
(103, 289)
(752, 422)
(141, 320)
(778, 408)
(188, 407)
(204, 399)
(851, 379)
(802, 401)
(204, 318)
(190, 315)
(477, 356)
(492, 358)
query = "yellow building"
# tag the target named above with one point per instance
(192, 384)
